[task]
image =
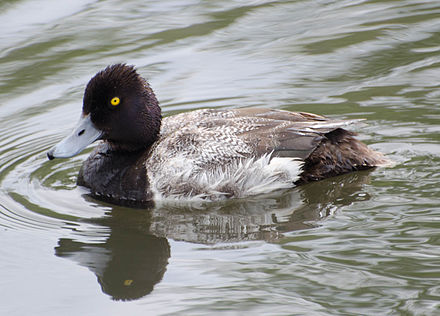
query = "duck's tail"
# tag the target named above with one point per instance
(339, 152)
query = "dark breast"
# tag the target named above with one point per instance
(119, 178)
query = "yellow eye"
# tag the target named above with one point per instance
(115, 101)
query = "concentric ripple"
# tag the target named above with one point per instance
(359, 244)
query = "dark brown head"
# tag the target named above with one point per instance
(123, 106)
(120, 107)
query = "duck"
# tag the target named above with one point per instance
(206, 154)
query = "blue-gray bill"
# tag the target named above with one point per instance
(82, 135)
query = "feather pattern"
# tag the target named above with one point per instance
(203, 154)
(214, 154)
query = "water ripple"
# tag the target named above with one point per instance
(359, 244)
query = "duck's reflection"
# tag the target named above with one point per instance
(135, 255)
(130, 261)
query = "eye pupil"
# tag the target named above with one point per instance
(115, 101)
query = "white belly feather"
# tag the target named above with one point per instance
(181, 179)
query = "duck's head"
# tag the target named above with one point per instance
(119, 107)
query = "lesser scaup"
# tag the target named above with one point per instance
(208, 154)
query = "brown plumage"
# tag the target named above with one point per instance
(338, 153)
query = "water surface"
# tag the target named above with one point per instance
(360, 244)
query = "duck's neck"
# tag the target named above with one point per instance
(127, 149)
(116, 176)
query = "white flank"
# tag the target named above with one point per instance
(241, 178)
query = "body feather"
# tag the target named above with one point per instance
(214, 154)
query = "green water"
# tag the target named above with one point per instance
(361, 244)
